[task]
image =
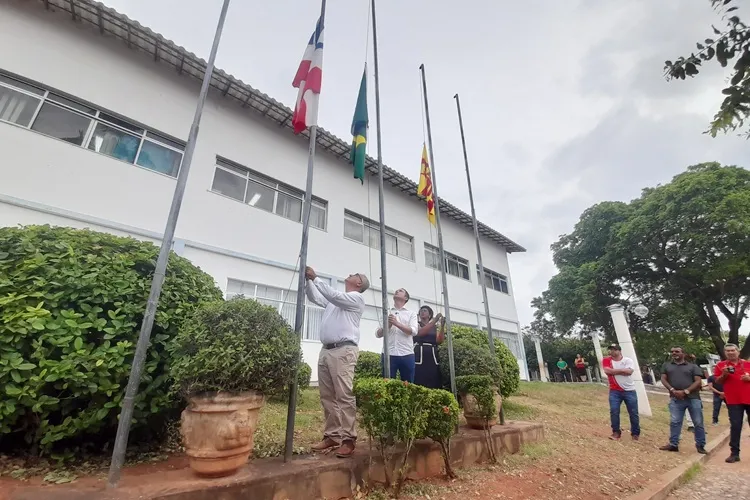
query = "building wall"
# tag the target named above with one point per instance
(46, 180)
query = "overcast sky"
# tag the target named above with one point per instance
(564, 102)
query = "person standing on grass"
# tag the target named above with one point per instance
(562, 365)
(717, 389)
(580, 365)
(339, 333)
(683, 380)
(734, 374)
(403, 326)
(619, 370)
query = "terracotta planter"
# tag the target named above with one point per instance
(471, 411)
(217, 431)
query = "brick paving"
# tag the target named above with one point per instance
(718, 480)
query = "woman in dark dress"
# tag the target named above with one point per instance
(429, 336)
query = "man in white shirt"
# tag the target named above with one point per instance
(404, 325)
(339, 333)
(619, 370)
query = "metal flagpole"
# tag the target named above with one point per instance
(299, 317)
(384, 292)
(476, 229)
(449, 336)
(128, 402)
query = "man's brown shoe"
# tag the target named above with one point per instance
(346, 450)
(324, 445)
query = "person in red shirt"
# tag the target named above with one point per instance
(734, 374)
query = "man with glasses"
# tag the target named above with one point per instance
(339, 333)
(403, 327)
(683, 380)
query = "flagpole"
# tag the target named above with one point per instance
(299, 317)
(476, 228)
(139, 359)
(384, 286)
(448, 334)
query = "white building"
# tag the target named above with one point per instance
(94, 114)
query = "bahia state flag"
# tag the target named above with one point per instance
(359, 131)
(308, 80)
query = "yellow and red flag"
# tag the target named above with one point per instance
(425, 186)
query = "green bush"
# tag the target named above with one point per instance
(303, 376)
(71, 304)
(368, 365)
(510, 378)
(470, 359)
(233, 346)
(442, 421)
(482, 388)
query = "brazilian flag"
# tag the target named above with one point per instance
(359, 131)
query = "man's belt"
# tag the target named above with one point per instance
(343, 343)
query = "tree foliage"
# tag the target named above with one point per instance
(726, 45)
(683, 249)
(71, 302)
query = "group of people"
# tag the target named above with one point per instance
(730, 384)
(579, 364)
(413, 339)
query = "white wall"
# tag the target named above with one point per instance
(76, 60)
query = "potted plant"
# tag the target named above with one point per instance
(226, 358)
(481, 403)
(474, 360)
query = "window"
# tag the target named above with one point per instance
(494, 280)
(284, 301)
(367, 232)
(454, 265)
(242, 184)
(56, 116)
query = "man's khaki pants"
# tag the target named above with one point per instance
(335, 381)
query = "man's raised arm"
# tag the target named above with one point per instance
(314, 295)
(351, 301)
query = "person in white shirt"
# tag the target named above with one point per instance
(404, 327)
(339, 333)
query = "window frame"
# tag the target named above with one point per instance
(237, 169)
(369, 225)
(96, 115)
(492, 275)
(459, 261)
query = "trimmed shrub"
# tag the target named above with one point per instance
(71, 304)
(510, 378)
(368, 365)
(483, 390)
(303, 376)
(233, 346)
(470, 359)
(442, 420)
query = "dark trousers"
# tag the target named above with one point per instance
(630, 398)
(736, 417)
(717, 407)
(404, 365)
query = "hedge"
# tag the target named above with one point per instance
(71, 304)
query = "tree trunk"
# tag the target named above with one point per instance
(710, 320)
(745, 352)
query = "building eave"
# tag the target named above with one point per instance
(109, 22)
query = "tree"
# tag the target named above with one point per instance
(683, 249)
(733, 41)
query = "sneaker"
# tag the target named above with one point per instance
(635, 437)
(324, 445)
(346, 449)
(615, 436)
(732, 459)
(714, 423)
(669, 447)
(701, 450)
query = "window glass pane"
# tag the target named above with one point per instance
(504, 286)
(269, 292)
(114, 142)
(354, 230)
(72, 104)
(21, 85)
(164, 140)
(373, 237)
(61, 123)
(464, 271)
(452, 267)
(405, 248)
(259, 196)
(313, 319)
(229, 184)
(431, 258)
(17, 107)
(121, 123)
(391, 245)
(160, 159)
(318, 217)
(289, 206)
(228, 166)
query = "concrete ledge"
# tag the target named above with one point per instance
(305, 477)
(662, 486)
